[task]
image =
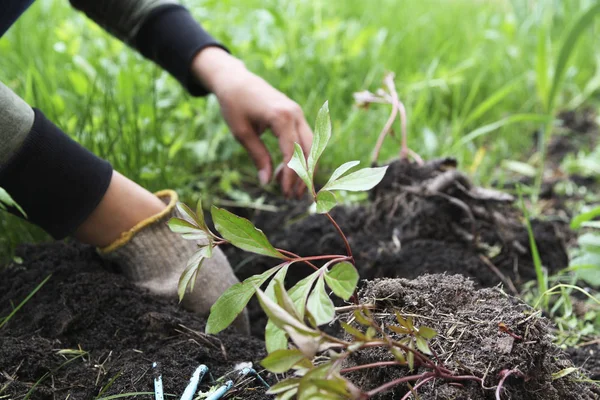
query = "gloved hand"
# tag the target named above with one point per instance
(153, 257)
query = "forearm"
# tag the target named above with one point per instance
(161, 30)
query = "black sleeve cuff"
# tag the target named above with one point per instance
(56, 181)
(171, 38)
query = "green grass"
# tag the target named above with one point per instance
(475, 77)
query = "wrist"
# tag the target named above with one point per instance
(212, 66)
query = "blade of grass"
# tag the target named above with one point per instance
(574, 33)
(553, 290)
(29, 296)
(491, 101)
(484, 130)
(542, 279)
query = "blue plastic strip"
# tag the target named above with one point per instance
(220, 392)
(191, 388)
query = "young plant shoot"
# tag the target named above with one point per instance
(309, 296)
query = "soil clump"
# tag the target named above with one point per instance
(470, 342)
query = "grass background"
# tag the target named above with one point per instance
(472, 73)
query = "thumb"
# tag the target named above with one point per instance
(259, 154)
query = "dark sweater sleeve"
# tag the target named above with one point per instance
(54, 179)
(161, 30)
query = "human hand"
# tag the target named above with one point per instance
(250, 106)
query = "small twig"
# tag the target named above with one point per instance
(354, 307)
(507, 281)
(591, 342)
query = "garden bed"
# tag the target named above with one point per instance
(420, 220)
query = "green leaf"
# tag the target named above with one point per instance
(275, 337)
(200, 214)
(585, 217)
(325, 201)
(7, 200)
(342, 279)
(362, 317)
(320, 305)
(191, 216)
(399, 329)
(422, 345)
(307, 389)
(563, 372)
(353, 331)
(398, 354)
(279, 276)
(410, 358)
(587, 268)
(284, 300)
(188, 277)
(335, 386)
(233, 300)
(298, 164)
(361, 180)
(590, 241)
(279, 316)
(242, 233)
(320, 138)
(287, 395)
(427, 332)
(179, 225)
(299, 293)
(281, 361)
(306, 339)
(341, 170)
(284, 386)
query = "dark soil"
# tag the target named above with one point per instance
(470, 342)
(122, 330)
(420, 219)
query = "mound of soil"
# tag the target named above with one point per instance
(88, 332)
(470, 342)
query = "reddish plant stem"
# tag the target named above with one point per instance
(372, 365)
(414, 389)
(399, 107)
(289, 253)
(505, 374)
(348, 249)
(383, 134)
(391, 384)
(331, 257)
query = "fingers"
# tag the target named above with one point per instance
(258, 152)
(291, 127)
(305, 135)
(285, 130)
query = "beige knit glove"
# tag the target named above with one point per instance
(154, 258)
